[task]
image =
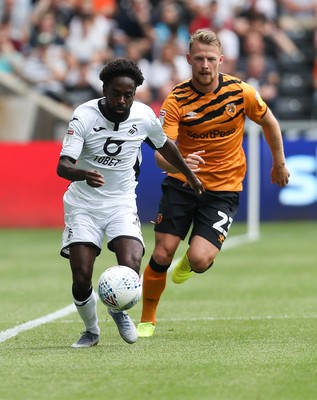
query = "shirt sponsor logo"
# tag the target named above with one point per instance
(70, 132)
(211, 134)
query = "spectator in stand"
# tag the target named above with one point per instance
(105, 7)
(298, 14)
(46, 25)
(16, 13)
(133, 22)
(89, 34)
(225, 13)
(63, 11)
(10, 58)
(251, 17)
(257, 66)
(262, 79)
(45, 67)
(80, 82)
(135, 53)
(254, 43)
(167, 71)
(207, 17)
(204, 16)
(264, 7)
(169, 27)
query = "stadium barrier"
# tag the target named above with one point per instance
(31, 191)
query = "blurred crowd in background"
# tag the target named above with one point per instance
(58, 47)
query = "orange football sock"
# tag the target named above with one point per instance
(153, 286)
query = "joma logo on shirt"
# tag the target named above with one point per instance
(101, 128)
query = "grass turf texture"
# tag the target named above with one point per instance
(244, 330)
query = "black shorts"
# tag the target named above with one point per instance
(209, 214)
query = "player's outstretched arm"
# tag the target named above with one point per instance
(172, 155)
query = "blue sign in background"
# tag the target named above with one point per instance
(297, 201)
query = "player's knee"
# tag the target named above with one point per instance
(81, 283)
(163, 255)
(202, 264)
(202, 270)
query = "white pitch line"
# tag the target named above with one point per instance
(10, 333)
(236, 318)
(63, 312)
(239, 318)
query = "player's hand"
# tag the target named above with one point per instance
(280, 175)
(193, 160)
(94, 178)
(195, 184)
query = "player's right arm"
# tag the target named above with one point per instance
(66, 169)
(72, 147)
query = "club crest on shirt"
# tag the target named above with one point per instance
(231, 109)
(133, 130)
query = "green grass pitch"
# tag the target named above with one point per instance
(245, 330)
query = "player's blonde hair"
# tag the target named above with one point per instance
(205, 36)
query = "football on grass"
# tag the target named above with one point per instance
(119, 288)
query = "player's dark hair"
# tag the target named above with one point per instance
(121, 68)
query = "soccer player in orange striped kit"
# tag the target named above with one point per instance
(205, 116)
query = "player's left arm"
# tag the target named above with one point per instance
(193, 160)
(273, 135)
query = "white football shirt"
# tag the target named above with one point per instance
(114, 149)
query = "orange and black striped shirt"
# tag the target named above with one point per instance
(213, 122)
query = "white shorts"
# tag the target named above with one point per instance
(91, 227)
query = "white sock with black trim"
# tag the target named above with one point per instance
(87, 310)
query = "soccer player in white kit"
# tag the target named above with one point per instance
(101, 156)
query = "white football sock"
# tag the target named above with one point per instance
(88, 312)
